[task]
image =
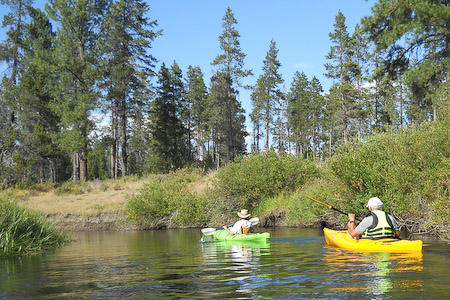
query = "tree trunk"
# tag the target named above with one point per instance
(41, 172)
(314, 136)
(330, 139)
(123, 128)
(83, 166)
(113, 153)
(75, 166)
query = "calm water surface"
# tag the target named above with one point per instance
(174, 264)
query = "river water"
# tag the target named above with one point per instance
(174, 264)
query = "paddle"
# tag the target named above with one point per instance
(329, 206)
(210, 231)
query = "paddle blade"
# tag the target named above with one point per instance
(208, 231)
(254, 221)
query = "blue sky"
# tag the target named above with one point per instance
(299, 28)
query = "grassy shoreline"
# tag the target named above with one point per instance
(82, 206)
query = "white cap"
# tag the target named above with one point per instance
(374, 201)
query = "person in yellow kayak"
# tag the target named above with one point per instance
(376, 225)
(242, 226)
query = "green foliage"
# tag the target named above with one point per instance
(166, 201)
(227, 121)
(246, 182)
(169, 144)
(295, 209)
(22, 231)
(98, 157)
(422, 25)
(267, 94)
(408, 171)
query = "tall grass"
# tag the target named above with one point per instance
(23, 231)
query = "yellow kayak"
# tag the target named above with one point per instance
(342, 239)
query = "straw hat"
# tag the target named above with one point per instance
(243, 214)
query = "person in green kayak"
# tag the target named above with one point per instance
(242, 226)
(376, 225)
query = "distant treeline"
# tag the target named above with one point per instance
(80, 64)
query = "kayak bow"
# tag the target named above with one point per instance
(223, 235)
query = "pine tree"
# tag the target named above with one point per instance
(361, 57)
(197, 120)
(256, 114)
(316, 113)
(77, 58)
(126, 38)
(402, 28)
(230, 74)
(298, 112)
(12, 47)
(386, 98)
(342, 70)
(267, 95)
(12, 52)
(169, 142)
(39, 123)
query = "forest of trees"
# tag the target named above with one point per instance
(79, 62)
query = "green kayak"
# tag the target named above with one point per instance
(223, 235)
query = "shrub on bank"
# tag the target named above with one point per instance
(166, 202)
(409, 171)
(247, 181)
(22, 231)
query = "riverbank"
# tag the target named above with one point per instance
(90, 206)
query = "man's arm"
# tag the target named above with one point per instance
(228, 229)
(354, 230)
(351, 227)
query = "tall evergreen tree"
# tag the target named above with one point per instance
(169, 142)
(402, 28)
(127, 34)
(197, 119)
(342, 70)
(39, 123)
(12, 47)
(230, 71)
(77, 58)
(12, 53)
(386, 98)
(256, 114)
(316, 113)
(267, 96)
(298, 112)
(361, 57)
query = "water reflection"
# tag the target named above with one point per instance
(173, 264)
(374, 273)
(238, 262)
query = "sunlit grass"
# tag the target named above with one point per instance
(88, 198)
(24, 231)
